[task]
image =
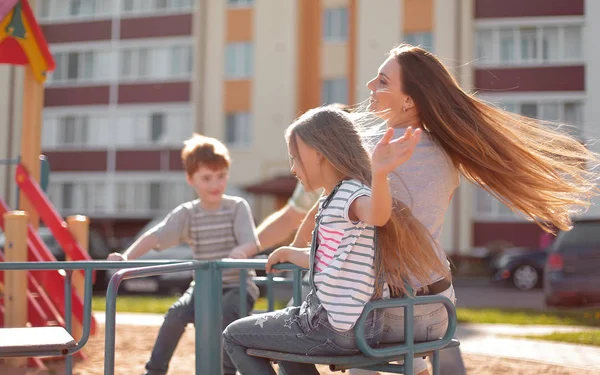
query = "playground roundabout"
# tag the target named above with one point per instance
(133, 345)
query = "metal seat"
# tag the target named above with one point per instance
(28, 341)
(340, 363)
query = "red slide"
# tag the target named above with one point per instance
(50, 216)
(52, 282)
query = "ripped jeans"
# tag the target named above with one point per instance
(298, 330)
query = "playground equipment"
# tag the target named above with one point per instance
(38, 298)
(35, 299)
(208, 319)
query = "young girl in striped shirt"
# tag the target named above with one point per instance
(356, 253)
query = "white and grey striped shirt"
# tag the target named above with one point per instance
(344, 264)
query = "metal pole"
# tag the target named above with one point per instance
(243, 292)
(297, 286)
(68, 319)
(208, 360)
(270, 293)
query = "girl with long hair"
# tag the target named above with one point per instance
(365, 246)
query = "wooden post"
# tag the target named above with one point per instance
(31, 136)
(79, 226)
(15, 288)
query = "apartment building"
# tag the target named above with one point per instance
(134, 78)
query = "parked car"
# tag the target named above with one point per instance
(97, 249)
(571, 272)
(519, 267)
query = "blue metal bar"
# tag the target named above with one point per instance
(207, 311)
(405, 348)
(217, 319)
(297, 289)
(243, 292)
(435, 362)
(82, 265)
(270, 293)
(111, 301)
(68, 318)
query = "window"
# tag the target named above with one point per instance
(568, 112)
(43, 9)
(529, 110)
(239, 60)
(67, 195)
(423, 40)
(82, 8)
(240, 3)
(488, 207)
(334, 91)
(529, 45)
(573, 43)
(155, 196)
(73, 130)
(181, 60)
(335, 25)
(160, 4)
(550, 44)
(507, 45)
(485, 50)
(238, 129)
(155, 6)
(145, 197)
(128, 5)
(79, 66)
(73, 9)
(156, 126)
(156, 62)
(72, 65)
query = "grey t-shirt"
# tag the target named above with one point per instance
(425, 183)
(211, 234)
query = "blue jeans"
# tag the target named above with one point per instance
(178, 317)
(298, 330)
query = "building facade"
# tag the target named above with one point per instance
(134, 78)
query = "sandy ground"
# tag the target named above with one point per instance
(134, 345)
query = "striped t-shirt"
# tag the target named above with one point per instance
(344, 270)
(211, 234)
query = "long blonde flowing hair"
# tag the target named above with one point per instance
(531, 167)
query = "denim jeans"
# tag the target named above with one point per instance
(178, 317)
(298, 330)
(430, 323)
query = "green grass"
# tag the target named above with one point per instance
(136, 304)
(590, 318)
(591, 337)
(158, 304)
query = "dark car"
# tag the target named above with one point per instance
(519, 267)
(97, 249)
(572, 274)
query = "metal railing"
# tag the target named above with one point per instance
(208, 316)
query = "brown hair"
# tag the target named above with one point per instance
(524, 163)
(204, 151)
(405, 250)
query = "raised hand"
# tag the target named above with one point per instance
(389, 154)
